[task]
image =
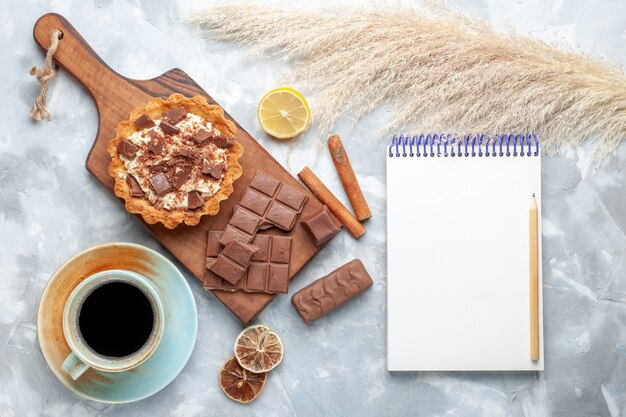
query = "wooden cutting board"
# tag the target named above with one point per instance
(115, 96)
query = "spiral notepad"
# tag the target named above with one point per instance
(458, 252)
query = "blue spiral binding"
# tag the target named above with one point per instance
(478, 145)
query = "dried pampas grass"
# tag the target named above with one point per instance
(441, 72)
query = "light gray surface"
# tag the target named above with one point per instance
(50, 208)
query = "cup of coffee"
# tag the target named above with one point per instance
(112, 321)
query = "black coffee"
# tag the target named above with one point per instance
(116, 319)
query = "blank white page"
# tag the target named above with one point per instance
(458, 296)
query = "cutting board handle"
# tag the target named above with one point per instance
(75, 56)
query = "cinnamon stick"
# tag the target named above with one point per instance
(320, 191)
(348, 179)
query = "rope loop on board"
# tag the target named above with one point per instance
(45, 75)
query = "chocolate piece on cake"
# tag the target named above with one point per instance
(157, 161)
(223, 141)
(174, 115)
(194, 200)
(155, 145)
(127, 149)
(212, 169)
(157, 167)
(185, 152)
(182, 173)
(168, 129)
(143, 122)
(174, 161)
(160, 184)
(133, 185)
(201, 136)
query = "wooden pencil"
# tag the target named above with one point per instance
(534, 280)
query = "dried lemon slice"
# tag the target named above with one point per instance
(258, 349)
(283, 113)
(240, 384)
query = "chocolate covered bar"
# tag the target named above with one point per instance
(267, 272)
(321, 226)
(267, 202)
(331, 291)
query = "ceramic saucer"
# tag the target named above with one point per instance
(180, 328)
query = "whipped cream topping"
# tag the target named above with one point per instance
(146, 164)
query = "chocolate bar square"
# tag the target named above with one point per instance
(268, 270)
(231, 264)
(232, 233)
(242, 226)
(245, 220)
(227, 269)
(257, 277)
(213, 249)
(264, 183)
(281, 249)
(255, 201)
(211, 279)
(291, 197)
(239, 252)
(278, 280)
(321, 226)
(266, 203)
(263, 243)
(281, 216)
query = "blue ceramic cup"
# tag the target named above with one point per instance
(83, 356)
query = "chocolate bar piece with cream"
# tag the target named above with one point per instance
(331, 291)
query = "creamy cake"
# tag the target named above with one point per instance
(173, 161)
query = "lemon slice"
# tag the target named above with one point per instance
(239, 384)
(258, 349)
(283, 113)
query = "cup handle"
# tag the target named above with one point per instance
(74, 366)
